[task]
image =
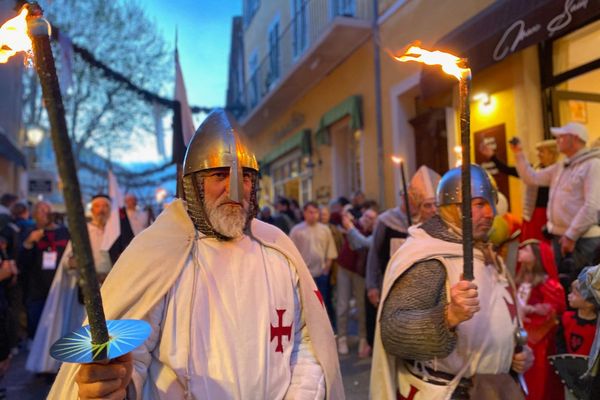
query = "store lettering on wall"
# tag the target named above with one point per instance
(296, 121)
(519, 31)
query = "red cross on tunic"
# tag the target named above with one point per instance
(411, 394)
(512, 307)
(279, 331)
(320, 297)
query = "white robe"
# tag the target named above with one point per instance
(230, 356)
(62, 311)
(159, 286)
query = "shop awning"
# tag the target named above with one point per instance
(351, 106)
(10, 152)
(504, 28)
(299, 140)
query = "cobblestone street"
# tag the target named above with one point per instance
(23, 385)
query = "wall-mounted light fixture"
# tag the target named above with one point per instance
(483, 98)
(486, 102)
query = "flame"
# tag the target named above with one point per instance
(13, 36)
(396, 160)
(450, 63)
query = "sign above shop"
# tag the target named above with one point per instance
(519, 33)
(506, 27)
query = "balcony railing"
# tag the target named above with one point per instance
(309, 23)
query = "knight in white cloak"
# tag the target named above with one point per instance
(391, 231)
(438, 336)
(64, 311)
(234, 311)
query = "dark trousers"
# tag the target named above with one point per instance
(34, 312)
(371, 319)
(325, 289)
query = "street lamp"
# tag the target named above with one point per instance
(35, 134)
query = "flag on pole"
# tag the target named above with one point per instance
(66, 62)
(112, 230)
(187, 122)
(157, 112)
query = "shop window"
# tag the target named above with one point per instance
(577, 48)
(573, 81)
(288, 179)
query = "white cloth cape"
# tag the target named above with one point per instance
(418, 247)
(155, 259)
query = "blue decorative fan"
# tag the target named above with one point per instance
(124, 336)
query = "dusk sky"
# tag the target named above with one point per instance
(204, 28)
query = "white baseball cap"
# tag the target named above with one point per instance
(573, 128)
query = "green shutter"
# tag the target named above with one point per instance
(299, 140)
(351, 106)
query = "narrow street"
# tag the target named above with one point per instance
(23, 385)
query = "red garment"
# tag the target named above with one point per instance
(532, 229)
(353, 260)
(579, 334)
(541, 380)
(543, 383)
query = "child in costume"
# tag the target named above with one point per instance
(542, 301)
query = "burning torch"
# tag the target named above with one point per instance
(29, 32)
(457, 67)
(398, 161)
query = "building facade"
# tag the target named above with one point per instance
(12, 159)
(311, 104)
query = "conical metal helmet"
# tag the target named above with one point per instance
(218, 143)
(449, 188)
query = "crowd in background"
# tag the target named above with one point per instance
(347, 245)
(40, 300)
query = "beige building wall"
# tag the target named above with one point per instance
(353, 77)
(426, 21)
(256, 34)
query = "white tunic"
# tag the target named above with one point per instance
(138, 220)
(240, 298)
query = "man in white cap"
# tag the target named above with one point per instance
(574, 199)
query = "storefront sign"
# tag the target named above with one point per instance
(504, 28)
(293, 124)
(519, 34)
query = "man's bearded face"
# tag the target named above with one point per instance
(226, 216)
(100, 211)
(483, 218)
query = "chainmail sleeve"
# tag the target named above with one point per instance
(413, 324)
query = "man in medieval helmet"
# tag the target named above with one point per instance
(234, 311)
(440, 336)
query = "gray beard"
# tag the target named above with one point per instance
(228, 220)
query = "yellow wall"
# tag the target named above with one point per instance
(513, 83)
(500, 111)
(397, 32)
(353, 77)
(256, 36)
